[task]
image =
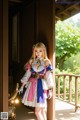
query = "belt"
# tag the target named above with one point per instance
(37, 75)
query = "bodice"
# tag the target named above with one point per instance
(38, 66)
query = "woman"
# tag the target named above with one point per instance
(38, 81)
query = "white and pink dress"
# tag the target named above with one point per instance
(36, 85)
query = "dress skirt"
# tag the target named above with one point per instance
(31, 93)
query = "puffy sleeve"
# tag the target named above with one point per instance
(49, 75)
(27, 73)
(26, 77)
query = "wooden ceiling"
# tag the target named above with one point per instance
(66, 8)
(63, 8)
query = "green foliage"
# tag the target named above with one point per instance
(67, 41)
(67, 35)
(73, 64)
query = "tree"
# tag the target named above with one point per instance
(67, 37)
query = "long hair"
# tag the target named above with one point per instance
(41, 46)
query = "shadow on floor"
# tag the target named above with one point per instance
(67, 115)
(65, 111)
(24, 113)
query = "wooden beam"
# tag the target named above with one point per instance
(66, 8)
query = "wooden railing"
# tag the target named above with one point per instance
(69, 78)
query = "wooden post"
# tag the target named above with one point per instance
(76, 93)
(58, 86)
(3, 56)
(70, 88)
(64, 87)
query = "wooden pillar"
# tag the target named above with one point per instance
(3, 56)
(1, 51)
(45, 32)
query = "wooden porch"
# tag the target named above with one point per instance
(70, 85)
(65, 107)
(63, 111)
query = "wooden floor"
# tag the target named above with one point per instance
(63, 111)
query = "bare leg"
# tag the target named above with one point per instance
(38, 113)
(44, 113)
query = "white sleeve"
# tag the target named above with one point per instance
(26, 77)
(49, 78)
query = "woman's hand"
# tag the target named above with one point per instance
(50, 93)
(20, 90)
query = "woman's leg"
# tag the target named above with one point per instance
(44, 113)
(38, 113)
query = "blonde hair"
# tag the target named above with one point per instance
(39, 45)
